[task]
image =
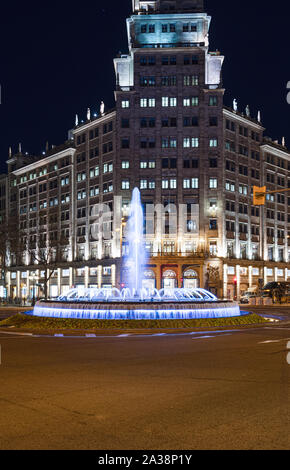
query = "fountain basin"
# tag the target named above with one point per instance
(131, 310)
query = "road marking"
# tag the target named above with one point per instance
(15, 334)
(59, 336)
(91, 336)
(205, 337)
(274, 341)
(123, 336)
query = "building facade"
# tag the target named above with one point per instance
(171, 136)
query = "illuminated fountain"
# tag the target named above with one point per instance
(135, 301)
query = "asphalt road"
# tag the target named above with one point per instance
(216, 390)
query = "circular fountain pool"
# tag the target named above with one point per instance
(113, 304)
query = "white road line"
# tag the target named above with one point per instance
(274, 341)
(15, 333)
(205, 337)
(58, 336)
(91, 336)
(123, 336)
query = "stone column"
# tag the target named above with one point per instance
(238, 275)
(113, 275)
(265, 275)
(250, 274)
(99, 276)
(71, 278)
(59, 280)
(225, 280)
(86, 277)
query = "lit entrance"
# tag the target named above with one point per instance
(169, 279)
(149, 279)
(190, 279)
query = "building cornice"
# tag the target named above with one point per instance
(44, 161)
(243, 119)
(267, 147)
(93, 122)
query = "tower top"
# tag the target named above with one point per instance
(168, 6)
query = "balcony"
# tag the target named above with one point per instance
(244, 236)
(255, 238)
(231, 235)
(185, 254)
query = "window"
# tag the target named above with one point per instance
(125, 123)
(108, 167)
(165, 101)
(194, 101)
(168, 80)
(213, 163)
(213, 183)
(81, 176)
(190, 183)
(213, 142)
(143, 184)
(213, 121)
(190, 80)
(147, 81)
(125, 184)
(230, 186)
(125, 104)
(213, 101)
(125, 143)
(81, 194)
(194, 183)
(125, 165)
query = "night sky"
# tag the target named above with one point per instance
(56, 61)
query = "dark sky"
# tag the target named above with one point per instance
(56, 61)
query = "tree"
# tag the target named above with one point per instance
(47, 253)
(12, 243)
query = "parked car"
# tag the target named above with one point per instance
(246, 296)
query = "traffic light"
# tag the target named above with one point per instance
(259, 195)
(235, 280)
